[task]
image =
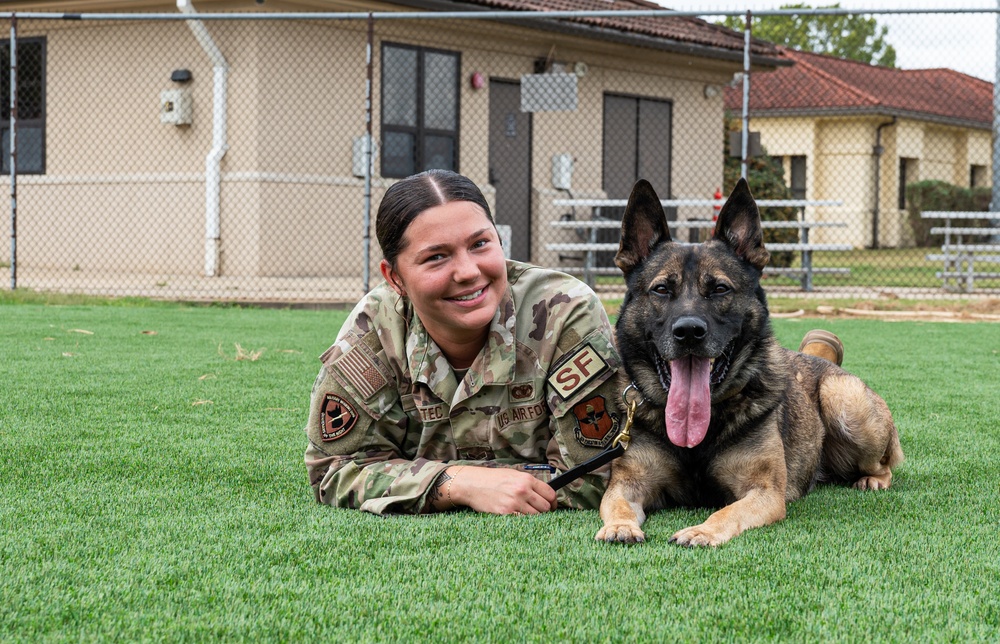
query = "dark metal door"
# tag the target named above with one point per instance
(654, 137)
(621, 114)
(637, 141)
(510, 164)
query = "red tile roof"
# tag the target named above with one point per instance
(688, 30)
(821, 84)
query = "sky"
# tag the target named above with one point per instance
(963, 42)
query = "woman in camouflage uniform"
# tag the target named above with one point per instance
(465, 380)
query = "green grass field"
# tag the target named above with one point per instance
(152, 488)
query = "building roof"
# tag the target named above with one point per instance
(680, 34)
(677, 33)
(818, 84)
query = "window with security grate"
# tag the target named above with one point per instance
(420, 91)
(30, 120)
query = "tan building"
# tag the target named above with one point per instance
(860, 133)
(219, 148)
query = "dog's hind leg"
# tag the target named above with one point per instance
(861, 445)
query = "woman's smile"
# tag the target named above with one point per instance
(470, 297)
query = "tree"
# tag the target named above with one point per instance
(766, 178)
(845, 36)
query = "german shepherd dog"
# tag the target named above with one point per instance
(728, 419)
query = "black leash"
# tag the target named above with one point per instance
(618, 447)
(608, 455)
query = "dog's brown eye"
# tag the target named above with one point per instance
(721, 289)
(661, 290)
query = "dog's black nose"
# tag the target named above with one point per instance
(689, 329)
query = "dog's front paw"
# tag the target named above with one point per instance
(698, 535)
(621, 533)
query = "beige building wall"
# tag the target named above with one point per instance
(980, 148)
(787, 137)
(507, 54)
(305, 208)
(108, 155)
(140, 183)
(845, 170)
(840, 165)
(941, 155)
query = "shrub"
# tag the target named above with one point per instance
(941, 195)
(767, 181)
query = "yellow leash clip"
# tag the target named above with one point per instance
(624, 436)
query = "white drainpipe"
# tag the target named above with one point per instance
(213, 161)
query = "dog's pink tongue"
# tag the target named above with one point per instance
(689, 403)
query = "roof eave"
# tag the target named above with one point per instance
(611, 35)
(870, 111)
(661, 44)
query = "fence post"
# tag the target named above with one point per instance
(369, 158)
(745, 140)
(13, 152)
(995, 195)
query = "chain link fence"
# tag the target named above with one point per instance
(242, 157)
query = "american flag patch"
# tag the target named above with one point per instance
(361, 371)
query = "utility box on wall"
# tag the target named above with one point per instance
(562, 171)
(175, 106)
(736, 144)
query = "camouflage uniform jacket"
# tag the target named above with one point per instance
(388, 414)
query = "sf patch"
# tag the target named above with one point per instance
(336, 418)
(575, 372)
(595, 425)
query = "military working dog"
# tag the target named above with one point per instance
(728, 418)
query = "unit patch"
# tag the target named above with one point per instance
(595, 425)
(521, 391)
(336, 418)
(582, 367)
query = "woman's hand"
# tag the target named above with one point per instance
(496, 490)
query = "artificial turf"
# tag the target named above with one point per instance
(152, 488)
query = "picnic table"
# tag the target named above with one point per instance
(959, 256)
(590, 248)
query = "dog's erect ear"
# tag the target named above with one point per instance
(644, 225)
(739, 226)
